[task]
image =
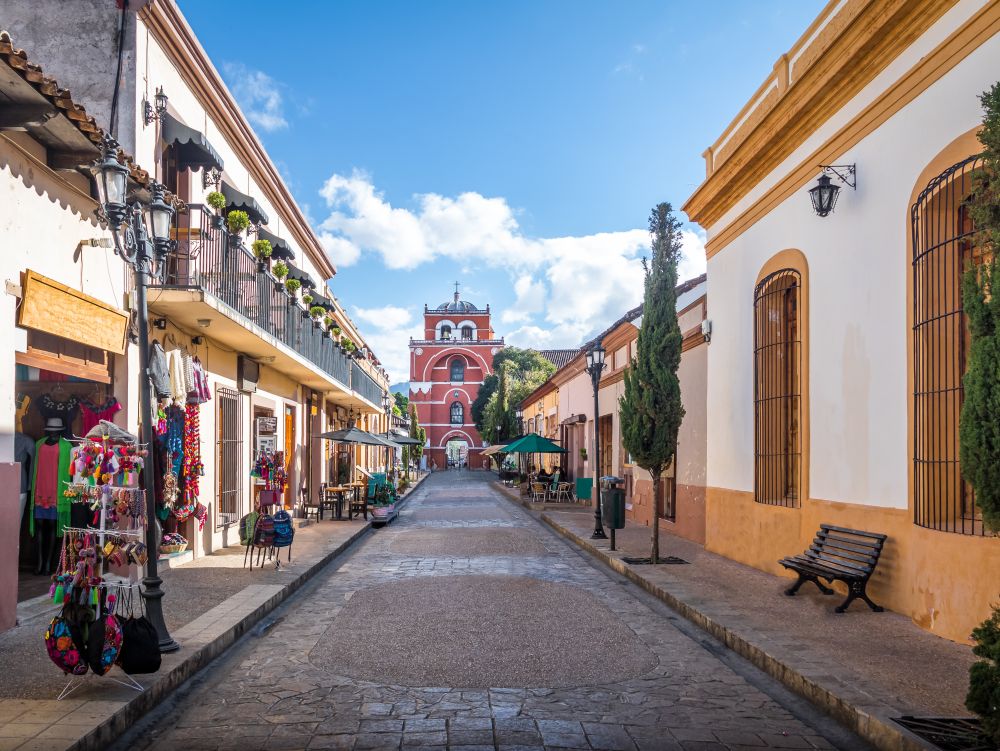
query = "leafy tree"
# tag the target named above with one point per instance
(651, 409)
(525, 371)
(416, 450)
(402, 401)
(979, 430)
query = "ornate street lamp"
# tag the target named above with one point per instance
(387, 408)
(142, 240)
(595, 366)
(520, 421)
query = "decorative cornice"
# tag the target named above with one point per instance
(829, 65)
(167, 24)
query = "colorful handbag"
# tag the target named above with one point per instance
(62, 648)
(104, 644)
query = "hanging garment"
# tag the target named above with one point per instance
(187, 366)
(66, 410)
(193, 468)
(24, 454)
(175, 438)
(92, 414)
(24, 401)
(52, 469)
(159, 372)
(202, 389)
(177, 389)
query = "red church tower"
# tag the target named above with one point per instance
(447, 368)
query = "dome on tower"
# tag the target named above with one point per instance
(457, 306)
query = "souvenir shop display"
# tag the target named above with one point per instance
(173, 543)
(261, 530)
(50, 510)
(100, 561)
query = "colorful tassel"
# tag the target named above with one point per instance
(59, 595)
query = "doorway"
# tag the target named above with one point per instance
(457, 451)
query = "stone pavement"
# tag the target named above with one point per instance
(864, 668)
(512, 640)
(208, 604)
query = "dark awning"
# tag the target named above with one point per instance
(191, 147)
(294, 272)
(323, 302)
(279, 249)
(236, 201)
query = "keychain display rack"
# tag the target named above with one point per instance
(106, 478)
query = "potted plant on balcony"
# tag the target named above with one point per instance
(237, 221)
(328, 322)
(306, 300)
(335, 332)
(292, 286)
(218, 202)
(280, 271)
(316, 311)
(262, 252)
(347, 344)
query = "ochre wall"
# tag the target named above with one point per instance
(939, 579)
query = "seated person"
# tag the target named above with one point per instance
(544, 476)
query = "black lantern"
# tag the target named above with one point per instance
(595, 359)
(155, 111)
(158, 216)
(112, 181)
(824, 195)
(595, 366)
(385, 402)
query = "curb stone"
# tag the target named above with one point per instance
(181, 666)
(871, 722)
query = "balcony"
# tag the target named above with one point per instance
(214, 288)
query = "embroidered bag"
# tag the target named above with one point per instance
(247, 525)
(264, 533)
(283, 530)
(62, 648)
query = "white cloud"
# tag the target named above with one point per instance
(566, 288)
(258, 94)
(387, 333)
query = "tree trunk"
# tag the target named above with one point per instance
(654, 554)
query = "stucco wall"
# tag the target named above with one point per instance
(858, 268)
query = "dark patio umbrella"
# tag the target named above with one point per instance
(353, 435)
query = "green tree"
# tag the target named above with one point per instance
(402, 401)
(979, 430)
(525, 371)
(651, 409)
(418, 433)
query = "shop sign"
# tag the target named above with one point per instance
(54, 308)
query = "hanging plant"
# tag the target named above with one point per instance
(293, 286)
(280, 269)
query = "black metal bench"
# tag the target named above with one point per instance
(838, 553)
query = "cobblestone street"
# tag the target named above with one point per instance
(468, 625)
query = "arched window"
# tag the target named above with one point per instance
(777, 389)
(446, 332)
(467, 332)
(943, 247)
(457, 370)
(457, 413)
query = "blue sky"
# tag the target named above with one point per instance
(516, 147)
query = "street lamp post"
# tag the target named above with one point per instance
(519, 413)
(595, 366)
(387, 406)
(142, 240)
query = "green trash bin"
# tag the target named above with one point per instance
(613, 502)
(584, 488)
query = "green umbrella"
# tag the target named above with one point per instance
(533, 444)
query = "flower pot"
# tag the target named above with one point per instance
(218, 221)
(305, 314)
(316, 324)
(262, 266)
(279, 286)
(235, 241)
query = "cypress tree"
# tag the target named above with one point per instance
(418, 433)
(650, 408)
(979, 428)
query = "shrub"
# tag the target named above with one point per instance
(316, 311)
(984, 676)
(307, 298)
(262, 249)
(293, 285)
(237, 221)
(216, 200)
(280, 270)
(328, 322)
(347, 344)
(335, 330)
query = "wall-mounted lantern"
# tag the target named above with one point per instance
(153, 112)
(824, 194)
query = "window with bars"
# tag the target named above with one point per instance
(943, 247)
(227, 460)
(457, 414)
(777, 389)
(457, 370)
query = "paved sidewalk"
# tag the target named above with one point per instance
(864, 668)
(208, 604)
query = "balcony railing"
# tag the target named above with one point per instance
(206, 260)
(365, 385)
